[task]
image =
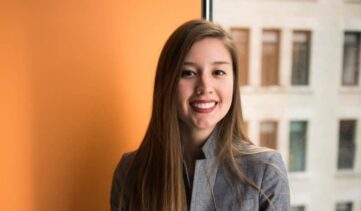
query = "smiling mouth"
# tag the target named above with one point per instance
(203, 107)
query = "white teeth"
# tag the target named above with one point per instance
(204, 105)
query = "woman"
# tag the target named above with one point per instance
(195, 156)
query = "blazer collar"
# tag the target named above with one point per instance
(209, 147)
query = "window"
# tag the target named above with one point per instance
(300, 57)
(351, 59)
(298, 208)
(346, 145)
(297, 156)
(344, 206)
(268, 134)
(270, 57)
(241, 39)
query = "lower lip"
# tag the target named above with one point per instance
(204, 110)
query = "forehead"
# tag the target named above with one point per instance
(208, 49)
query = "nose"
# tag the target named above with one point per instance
(204, 85)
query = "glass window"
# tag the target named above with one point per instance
(270, 57)
(344, 206)
(300, 57)
(346, 145)
(298, 208)
(268, 134)
(297, 152)
(241, 39)
(351, 59)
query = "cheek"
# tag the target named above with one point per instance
(184, 91)
(183, 94)
(228, 92)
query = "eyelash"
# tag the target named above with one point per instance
(186, 73)
(190, 73)
(219, 72)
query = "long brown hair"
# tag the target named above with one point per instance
(158, 184)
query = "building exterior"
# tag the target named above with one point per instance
(301, 91)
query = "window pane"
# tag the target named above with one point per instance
(300, 57)
(241, 39)
(346, 146)
(268, 136)
(298, 208)
(270, 57)
(351, 59)
(345, 206)
(297, 150)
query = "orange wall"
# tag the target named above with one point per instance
(76, 81)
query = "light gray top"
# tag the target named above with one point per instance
(212, 191)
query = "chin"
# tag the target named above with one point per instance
(205, 126)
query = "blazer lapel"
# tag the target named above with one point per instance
(203, 198)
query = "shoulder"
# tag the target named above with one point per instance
(264, 155)
(264, 167)
(261, 160)
(119, 178)
(268, 171)
(125, 161)
(123, 166)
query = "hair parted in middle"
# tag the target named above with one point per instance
(158, 162)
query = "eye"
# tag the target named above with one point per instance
(219, 72)
(187, 73)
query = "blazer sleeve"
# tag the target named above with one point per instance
(275, 186)
(118, 183)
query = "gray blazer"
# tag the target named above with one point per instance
(265, 169)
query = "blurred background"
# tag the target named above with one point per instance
(301, 91)
(76, 83)
(76, 80)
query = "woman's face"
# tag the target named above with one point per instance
(205, 87)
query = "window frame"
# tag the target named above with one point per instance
(305, 135)
(246, 77)
(275, 134)
(265, 81)
(358, 68)
(354, 160)
(344, 203)
(309, 57)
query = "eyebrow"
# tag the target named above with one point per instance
(216, 62)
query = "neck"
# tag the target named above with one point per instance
(193, 140)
